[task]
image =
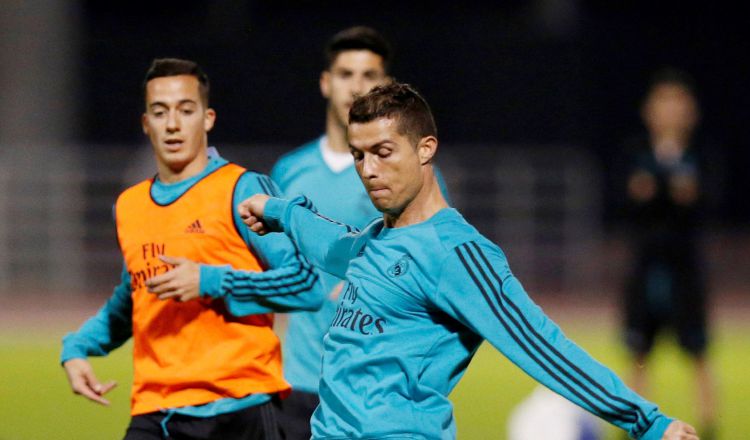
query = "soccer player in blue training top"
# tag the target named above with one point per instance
(423, 289)
(357, 59)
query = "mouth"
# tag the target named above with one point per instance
(378, 191)
(173, 144)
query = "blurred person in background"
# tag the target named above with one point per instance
(200, 370)
(665, 194)
(357, 59)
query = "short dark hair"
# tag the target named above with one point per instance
(358, 38)
(672, 76)
(162, 67)
(396, 101)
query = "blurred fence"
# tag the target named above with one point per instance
(540, 203)
(41, 227)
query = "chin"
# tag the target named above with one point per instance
(379, 205)
(389, 208)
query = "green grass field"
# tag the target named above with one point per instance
(35, 401)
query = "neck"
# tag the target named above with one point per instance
(428, 201)
(336, 133)
(175, 174)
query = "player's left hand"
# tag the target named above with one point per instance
(182, 283)
(679, 430)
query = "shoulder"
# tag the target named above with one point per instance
(452, 229)
(135, 190)
(253, 182)
(458, 239)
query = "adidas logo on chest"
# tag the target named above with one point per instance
(195, 228)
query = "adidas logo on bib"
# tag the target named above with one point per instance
(195, 228)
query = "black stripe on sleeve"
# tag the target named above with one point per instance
(271, 186)
(308, 204)
(473, 270)
(551, 348)
(297, 283)
(348, 228)
(294, 283)
(264, 185)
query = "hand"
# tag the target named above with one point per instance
(251, 211)
(679, 430)
(83, 382)
(181, 283)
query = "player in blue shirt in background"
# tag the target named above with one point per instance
(357, 59)
(423, 290)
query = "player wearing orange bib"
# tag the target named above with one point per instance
(207, 368)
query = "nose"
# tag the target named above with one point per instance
(359, 87)
(173, 122)
(369, 166)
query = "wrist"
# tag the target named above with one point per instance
(212, 279)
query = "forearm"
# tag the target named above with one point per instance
(282, 289)
(326, 243)
(105, 331)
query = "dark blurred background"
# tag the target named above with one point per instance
(532, 98)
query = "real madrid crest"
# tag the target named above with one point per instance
(400, 267)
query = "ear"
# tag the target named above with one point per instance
(144, 125)
(426, 149)
(325, 84)
(209, 118)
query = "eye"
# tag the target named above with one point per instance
(357, 155)
(384, 152)
(188, 111)
(159, 113)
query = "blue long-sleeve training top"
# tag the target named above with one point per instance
(417, 303)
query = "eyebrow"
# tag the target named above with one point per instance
(164, 104)
(371, 147)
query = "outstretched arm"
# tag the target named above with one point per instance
(478, 289)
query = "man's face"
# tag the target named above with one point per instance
(387, 162)
(176, 120)
(353, 73)
(670, 107)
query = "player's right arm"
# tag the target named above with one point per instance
(99, 335)
(327, 244)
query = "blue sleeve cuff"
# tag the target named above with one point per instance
(71, 349)
(656, 431)
(273, 213)
(211, 280)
